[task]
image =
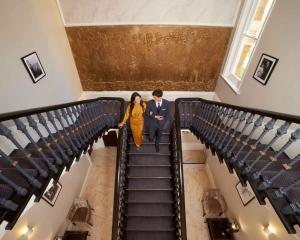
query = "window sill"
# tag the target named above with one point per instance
(232, 84)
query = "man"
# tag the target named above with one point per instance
(158, 112)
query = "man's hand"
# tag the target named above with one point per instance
(159, 118)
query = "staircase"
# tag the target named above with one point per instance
(261, 147)
(149, 193)
(37, 145)
(150, 211)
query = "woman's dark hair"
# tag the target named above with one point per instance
(157, 93)
(133, 96)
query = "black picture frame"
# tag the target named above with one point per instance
(33, 66)
(265, 68)
(51, 195)
(245, 193)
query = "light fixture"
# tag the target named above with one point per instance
(27, 232)
(235, 227)
(268, 230)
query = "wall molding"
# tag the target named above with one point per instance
(146, 24)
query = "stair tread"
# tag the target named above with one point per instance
(149, 183)
(151, 230)
(130, 177)
(144, 196)
(149, 171)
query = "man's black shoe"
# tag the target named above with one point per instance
(157, 148)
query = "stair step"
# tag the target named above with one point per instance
(151, 154)
(148, 160)
(150, 148)
(165, 139)
(146, 196)
(149, 209)
(135, 234)
(149, 171)
(149, 183)
(150, 223)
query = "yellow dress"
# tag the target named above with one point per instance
(136, 122)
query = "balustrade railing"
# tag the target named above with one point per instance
(36, 145)
(261, 146)
(120, 182)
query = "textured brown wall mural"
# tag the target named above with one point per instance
(186, 58)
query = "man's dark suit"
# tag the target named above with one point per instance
(156, 126)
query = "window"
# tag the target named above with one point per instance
(252, 19)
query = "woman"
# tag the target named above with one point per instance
(135, 112)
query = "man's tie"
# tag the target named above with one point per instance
(158, 106)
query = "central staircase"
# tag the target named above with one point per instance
(150, 211)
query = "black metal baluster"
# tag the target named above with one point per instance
(70, 127)
(256, 125)
(19, 190)
(34, 126)
(75, 125)
(8, 204)
(239, 138)
(294, 137)
(87, 121)
(211, 122)
(286, 167)
(22, 127)
(225, 127)
(65, 131)
(58, 133)
(268, 127)
(281, 192)
(55, 141)
(203, 117)
(235, 116)
(224, 113)
(7, 133)
(292, 208)
(80, 121)
(241, 118)
(34, 182)
(280, 132)
(216, 123)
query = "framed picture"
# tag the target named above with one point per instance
(33, 66)
(265, 68)
(50, 196)
(246, 194)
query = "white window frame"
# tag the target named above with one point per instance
(245, 18)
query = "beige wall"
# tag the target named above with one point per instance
(253, 216)
(46, 220)
(281, 39)
(27, 26)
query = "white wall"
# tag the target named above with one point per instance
(147, 95)
(116, 12)
(49, 221)
(27, 26)
(281, 39)
(253, 216)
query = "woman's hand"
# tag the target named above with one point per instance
(120, 125)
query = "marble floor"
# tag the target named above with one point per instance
(100, 189)
(100, 193)
(195, 182)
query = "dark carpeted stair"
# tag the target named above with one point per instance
(150, 212)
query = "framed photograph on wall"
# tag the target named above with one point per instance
(246, 194)
(51, 195)
(33, 66)
(265, 68)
